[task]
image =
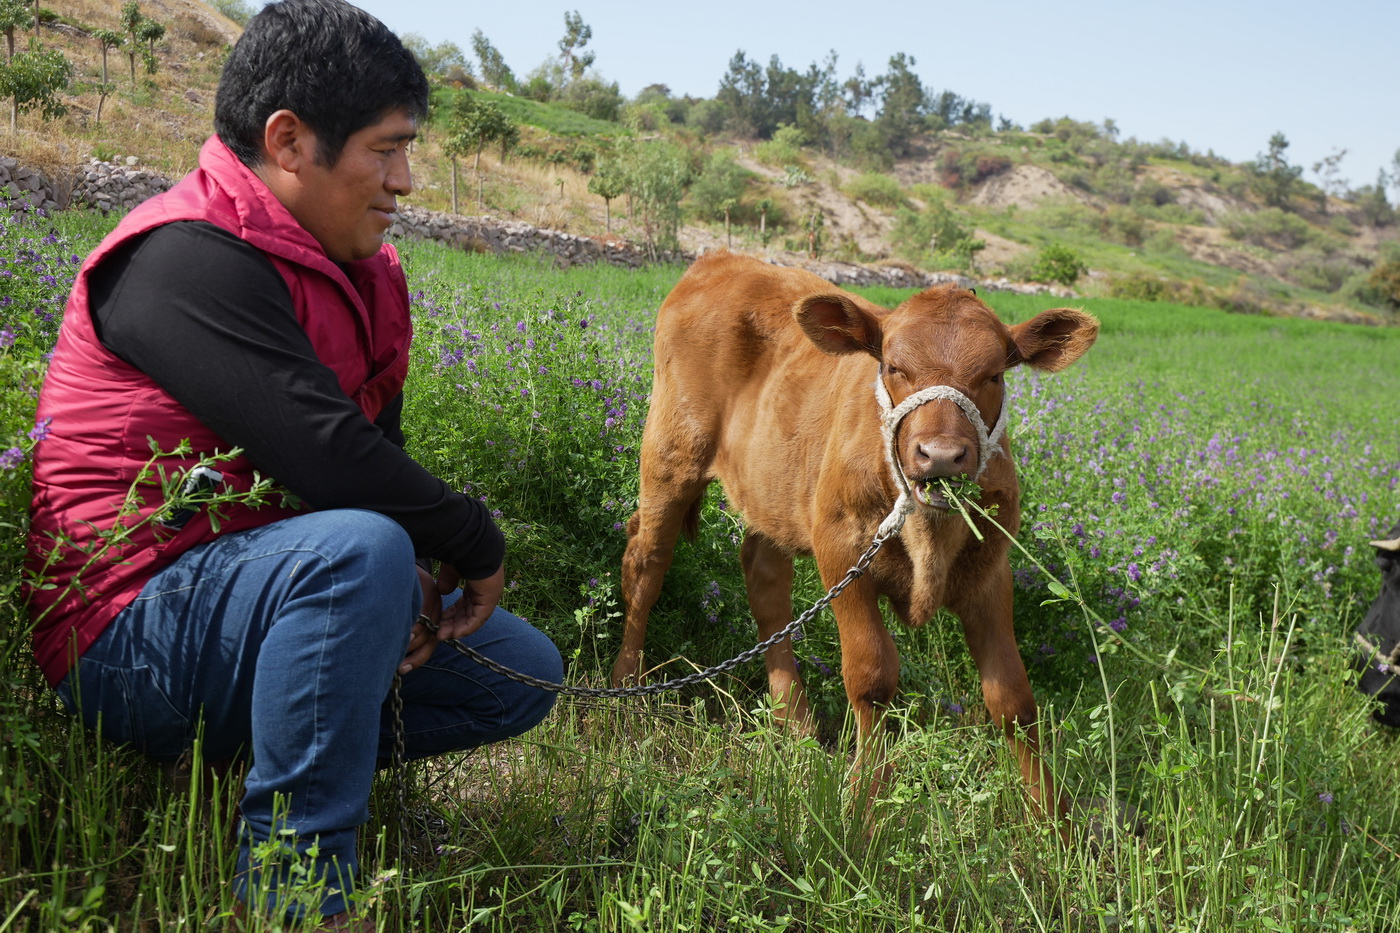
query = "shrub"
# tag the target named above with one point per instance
(1384, 281)
(1319, 272)
(963, 169)
(1124, 225)
(1141, 286)
(1059, 264)
(721, 180)
(875, 189)
(1272, 226)
(785, 148)
(594, 97)
(935, 236)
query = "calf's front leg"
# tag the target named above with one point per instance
(870, 670)
(1006, 690)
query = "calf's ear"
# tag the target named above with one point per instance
(1052, 339)
(838, 325)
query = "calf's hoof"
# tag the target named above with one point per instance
(1096, 817)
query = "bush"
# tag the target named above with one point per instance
(1272, 226)
(1142, 286)
(934, 237)
(963, 169)
(237, 10)
(721, 180)
(1384, 281)
(785, 148)
(875, 189)
(1318, 272)
(1124, 225)
(599, 99)
(1059, 264)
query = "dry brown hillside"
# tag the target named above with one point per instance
(1040, 189)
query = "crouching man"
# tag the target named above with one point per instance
(255, 306)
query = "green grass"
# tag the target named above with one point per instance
(551, 117)
(1203, 484)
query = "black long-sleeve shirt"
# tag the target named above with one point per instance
(210, 319)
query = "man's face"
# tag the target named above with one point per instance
(347, 206)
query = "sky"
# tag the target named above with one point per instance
(1222, 75)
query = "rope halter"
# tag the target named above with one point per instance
(988, 442)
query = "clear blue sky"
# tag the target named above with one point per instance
(1219, 74)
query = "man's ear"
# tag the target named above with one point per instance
(837, 325)
(288, 143)
(1053, 339)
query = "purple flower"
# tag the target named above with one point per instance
(11, 458)
(41, 429)
(1325, 797)
(7, 338)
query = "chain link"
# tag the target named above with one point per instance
(792, 629)
(400, 785)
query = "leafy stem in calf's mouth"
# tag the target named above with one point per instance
(956, 492)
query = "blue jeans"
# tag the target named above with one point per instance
(284, 640)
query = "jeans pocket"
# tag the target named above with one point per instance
(126, 705)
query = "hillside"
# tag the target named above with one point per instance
(1147, 221)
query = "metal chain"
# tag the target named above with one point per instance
(400, 785)
(887, 529)
(791, 629)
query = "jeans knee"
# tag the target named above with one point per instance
(376, 539)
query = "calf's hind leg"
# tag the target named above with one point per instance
(768, 578)
(667, 505)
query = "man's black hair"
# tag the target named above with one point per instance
(332, 64)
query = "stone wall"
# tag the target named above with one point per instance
(108, 186)
(26, 187)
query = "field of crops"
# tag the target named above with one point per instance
(1199, 493)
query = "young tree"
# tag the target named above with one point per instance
(14, 14)
(1327, 170)
(106, 39)
(743, 93)
(859, 90)
(494, 70)
(150, 33)
(902, 104)
(764, 207)
(721, 180)
(1273, 178)
(815, 225)
(141, 33)
(608, 183)
(32, 80)
(576, 36)
(444, 60)
(474, 125)
(657, 174)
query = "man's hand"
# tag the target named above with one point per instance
(479, 599)
(424, 640)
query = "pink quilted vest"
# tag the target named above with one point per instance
(104, 410)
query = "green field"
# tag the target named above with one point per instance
(1202, 485)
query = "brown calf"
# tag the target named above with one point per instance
(765, 379)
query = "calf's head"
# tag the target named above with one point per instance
(944, 336)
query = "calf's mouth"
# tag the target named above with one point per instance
(929, 490)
